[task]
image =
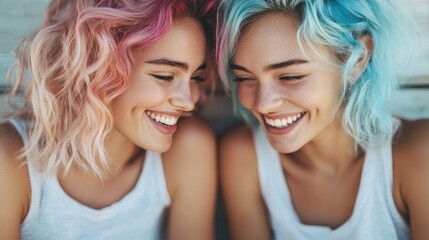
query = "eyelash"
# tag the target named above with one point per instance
(240, 79)
(291, 78)
(170, 78)
(284, 78)
(163, 77)
(198, 79)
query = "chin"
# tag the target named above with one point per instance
(284, 147)
(159, 146)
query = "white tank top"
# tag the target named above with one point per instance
(138, 215)
(374, 217)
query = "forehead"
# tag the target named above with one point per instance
(271, 35)
(184, 41)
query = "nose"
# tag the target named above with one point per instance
(185, 95)
(268, 98)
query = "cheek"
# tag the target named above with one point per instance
(246, 95)
(153, 96)
(195, 92)
(321, 99)
(146, 94)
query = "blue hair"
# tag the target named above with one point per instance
(340, 25)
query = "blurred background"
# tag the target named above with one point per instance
(19, 17)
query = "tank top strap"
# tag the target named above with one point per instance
(271, 179)
(384, 169)
(154, 176)
(268, 160)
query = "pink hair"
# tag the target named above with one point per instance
(77, 62)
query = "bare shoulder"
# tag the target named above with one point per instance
(413, 135)
(410, 145)
(194, 137)
(192, 129)
(193, 153)
(10, 148)
(9, 138)
(411, 173)
(14, 183)
(191, 176)
(238, 163)
(237, 151)
(238, 140)
(246, 210)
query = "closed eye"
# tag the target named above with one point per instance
(163, 77)
(292, 78)
(198, 79)
(241, 79)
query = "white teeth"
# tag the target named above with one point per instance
(278, 123)
(164, 119)
(170, 120)
(282, 122)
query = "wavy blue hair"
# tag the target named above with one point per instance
(339, 25)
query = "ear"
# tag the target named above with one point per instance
(359, 68)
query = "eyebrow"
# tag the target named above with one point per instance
(177, 64)
(272, 66)
(284, 64)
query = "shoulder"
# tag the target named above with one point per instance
(411, 163)
(191, 129)
(238, 134)
(410, 145)
(413, 136)
(241, 191)
(191, 176)
(238, 161)
(192, 154)
(237, 146)
(11, 147)
(14, 179)
(194, 137)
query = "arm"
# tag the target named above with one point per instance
(245, 208)
(411, 161)
(14, 184)
(190, 167)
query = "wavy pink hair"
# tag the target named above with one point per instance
(77, 62)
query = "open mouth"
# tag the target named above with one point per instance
(281, 123)
(164, 123)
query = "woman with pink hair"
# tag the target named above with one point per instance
(90, 153)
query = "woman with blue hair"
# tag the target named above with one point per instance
(324, 158)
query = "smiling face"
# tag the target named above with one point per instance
(293, 95)
(163, 85)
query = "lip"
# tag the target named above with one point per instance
(285, 130)
(165, 129)
(173, 114)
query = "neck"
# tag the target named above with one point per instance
(121, 152)
(332, 152)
